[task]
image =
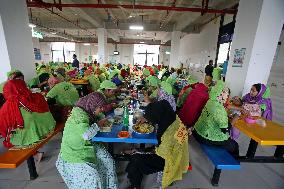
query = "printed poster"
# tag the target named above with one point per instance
(239, 57)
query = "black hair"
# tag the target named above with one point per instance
(18, 74)
(257, 86)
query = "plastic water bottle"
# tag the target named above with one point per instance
(125, 117)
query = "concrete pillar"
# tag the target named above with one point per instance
(102, 46)
(78, 51)
(175, 43)
(258, 27)
(15, 39)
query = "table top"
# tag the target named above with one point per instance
(112, 137)
(271, 134)
(79, 82)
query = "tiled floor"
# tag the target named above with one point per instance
(260, 176)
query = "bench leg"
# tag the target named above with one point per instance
(251, 149)
(32, 168)
(279, 151)
(216, 177)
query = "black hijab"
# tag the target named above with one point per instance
(162, 114)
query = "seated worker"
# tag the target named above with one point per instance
(14, 74)
(64, 93)
(23, 115)
(171, 155)
(260, 95)
(94, 82)
(108, 89)
(194, 103)
(83, 164)
(213, 127)
(152, 84)
(165, 93)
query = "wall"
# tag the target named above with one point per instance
(45, 50)
(258, 27)
(83, 52)
(18, 37)
(163, 57)
(197, 49)
(276, 83)
(5, 66)
(125, 52)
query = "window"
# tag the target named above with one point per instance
(62, 52)
(146, 54)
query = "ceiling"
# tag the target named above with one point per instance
(80, 23)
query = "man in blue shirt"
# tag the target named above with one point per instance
(75, 62)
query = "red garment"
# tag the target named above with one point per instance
(18, 95)
(123, 73)
(194, 104)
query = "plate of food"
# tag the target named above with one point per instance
(142, 130)
(106, 127)
(117, 120)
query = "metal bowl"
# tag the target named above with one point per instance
(136, 134)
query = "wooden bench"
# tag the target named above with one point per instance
(221, 159)
(13, 158)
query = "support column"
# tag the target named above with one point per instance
(15, 39)
(175, 43)
(258, 27)
(102, 46)
(78, 52)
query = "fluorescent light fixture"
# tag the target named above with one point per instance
(167, 52)
(115, 52)
(32, 25)
(87, 44)
(136, 27)
(142, 42)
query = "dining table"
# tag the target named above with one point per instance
(269, 133)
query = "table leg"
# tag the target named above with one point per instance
(32, 168)
(142, 146)
(252, 148)
(110, 148)
(85, 90)
(279, 152)
(216, 177)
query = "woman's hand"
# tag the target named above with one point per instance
(141, 120)
(147, 99)
(102, 122)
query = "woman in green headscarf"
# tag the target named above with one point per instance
(108, 89)
(213, 127)
(64, 93)
(152, 84)
(94, 82)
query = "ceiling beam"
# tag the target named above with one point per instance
(41, 4)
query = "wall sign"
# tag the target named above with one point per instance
(37, 54)
(239, 57)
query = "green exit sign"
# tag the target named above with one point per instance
(37, 34)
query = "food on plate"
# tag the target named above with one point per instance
(118, 111)
(117, 120)
(143, 128)
(106, 127)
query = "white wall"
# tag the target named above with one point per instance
(45, 51)
(258, 27)
(125, 52)
(5, 62)
(18, 38)
(163, 57)
(83, 52)
(197, 49)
